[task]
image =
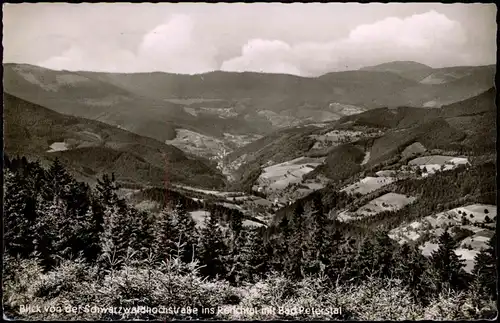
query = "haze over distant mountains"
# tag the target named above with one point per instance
(187, 38)
(207, 113)
(155, 104)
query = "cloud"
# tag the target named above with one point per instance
(69, 59)
(103, 59)
(182, 44)
(169, 47)
(427, 38)
(172, 47)
(258, 55)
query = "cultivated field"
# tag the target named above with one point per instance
(386, 173)
(279, 120)
(438, 160)
(431, 164)
(368, 184)
(240, 140)
(58, 146)
(278, 177)
(387, 202)
(478, 219)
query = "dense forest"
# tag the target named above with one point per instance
(69, 243)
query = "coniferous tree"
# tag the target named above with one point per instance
(50, 237)
(279, 243)
(311, 255)
(235, 261)
(236, 223)
(212, 248)
(141, 239)
(383, 249)
(257, 260)
(485, 271)
(365, 260)
(19, 215)
(116, 238)
(58, 181)
(37, 178)
(320, 230)
(326, 244)
(95, 218)
(295, 261)
(89, 237)
(410, 266)
(165, 235)
(107, 189)
(447, 265)
(186, 232)
(78, 218)
(7, 164)
(337, 256)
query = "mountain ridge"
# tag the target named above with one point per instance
(365, 68)
(91, 147)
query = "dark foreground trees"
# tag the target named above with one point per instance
(55, 225)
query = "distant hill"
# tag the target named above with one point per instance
(466, 73)
(79, 95)
(397, 66)
(467, 126)
(91, 148)
(408, 69)
(157, 104)
(427, 75)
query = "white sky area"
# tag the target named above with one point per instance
(303, 39)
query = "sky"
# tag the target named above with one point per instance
(306, 39)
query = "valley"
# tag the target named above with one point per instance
(252, 162)
(409, 171)
(298, 154)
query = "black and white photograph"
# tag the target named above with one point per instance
(249, 161)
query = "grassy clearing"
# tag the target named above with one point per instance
(429, 165)
(387, 202)
(439, 160)
(368, 184)
(431, 227)
(385, 173)
(468, 256)
(199, 217)
(58, 146)
(278, 177)
(428, 248)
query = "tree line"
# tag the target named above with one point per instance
(51, 217)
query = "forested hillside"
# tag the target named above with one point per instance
(264, 162)
(74, 244)
(385, 213)
(91, 148)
